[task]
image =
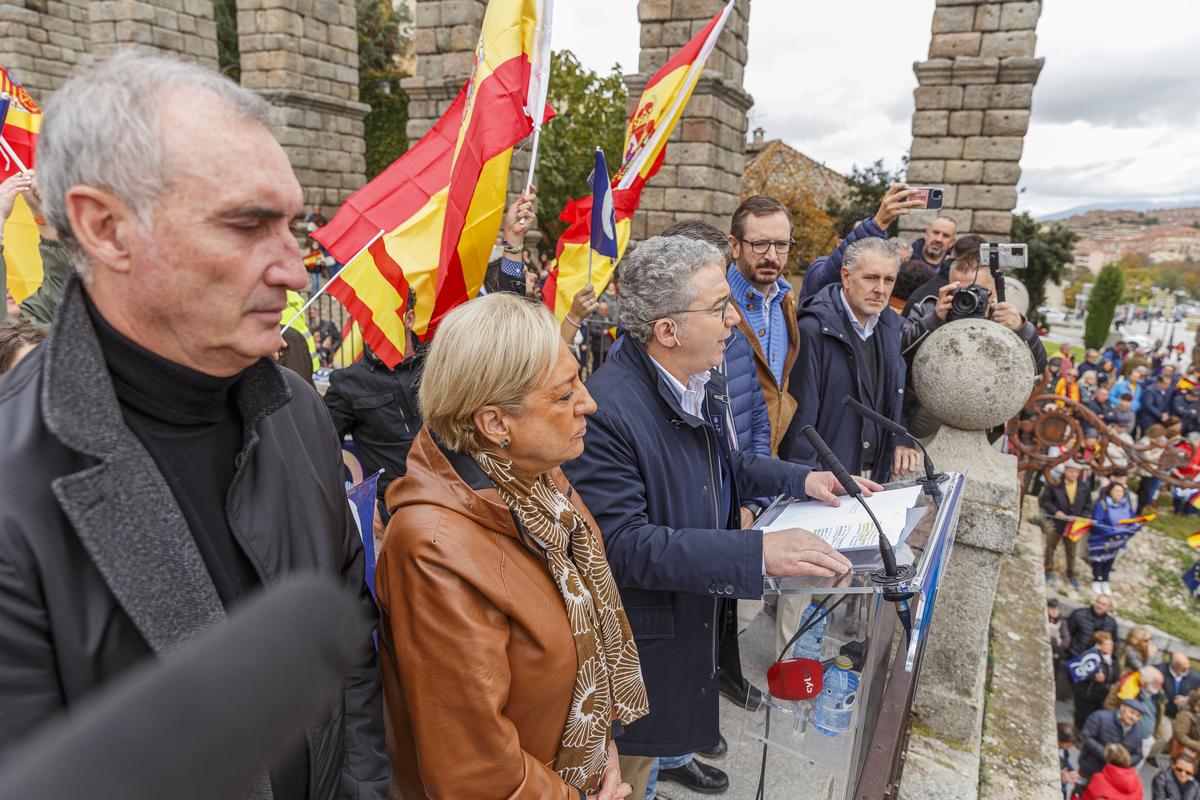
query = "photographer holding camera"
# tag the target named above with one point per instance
(970, 292)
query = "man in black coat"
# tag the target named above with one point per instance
(1110, 727)
(1186, 406)
(1071, 497)
(1179, 679)
(1100, 406)
(162, 466)
(377, 406)
(1085, 621)
(662, 477)
(850, 345)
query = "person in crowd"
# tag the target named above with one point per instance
(1185, 406)
(1067, 357)
(314, 264)
(1089, 384)
(1068, 740)
(294, 355)
(903, 248)
(1153, 724)
(1060, 641)
(1092, 690)
(1139, 650)
(583, 305)
(496, 567)
(16, 342)
(612, 296)
(1117, 780)
(325, 334)
(509, 272)
(1055, 367)
(1108, 374)
(1070, 498)
(850, 345)
(1156, 403)
(598, 339)
(1090, 363)
(378, 407)
(1083, 622)
(1185, 732)
(1131, 385)
(1180, 679)
(180, 235)
(1117, 354)
(931, 313)
(37, 309)
(660, 468)
(1133, 362)
(926, 294)
(1068, 386)
(1111, 508)
(828, 269)
(1176, 783)
(761, 238)
(1125, 416)
(1100, 406)
(1104, 728)
(935, 247)
(912, 275)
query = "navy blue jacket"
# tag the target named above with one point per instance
(664, 488)
(829, 367)
(828, 269)
(1101, 729)
(746, 402)
(1155, 402)
(1186, 410)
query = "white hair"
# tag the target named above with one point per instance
(870, 244)
(656, 281)
(102, 129)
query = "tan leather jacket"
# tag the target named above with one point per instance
(476, 651)
(781, 406)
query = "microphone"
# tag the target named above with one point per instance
(208, 723)
(891, 574)
(892, 427)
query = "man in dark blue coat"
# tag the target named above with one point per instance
(1186, 406)
(827, 269)
(664, 483)
(1156, 403)
(1103, 728)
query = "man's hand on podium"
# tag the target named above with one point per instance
(798, 552)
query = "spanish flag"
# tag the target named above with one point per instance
(311, 259)
(1183, 384)
(1136, 520)
(1077, 528)
(1195, 500)
(20, 131)
(430, 219)
(1130, 686)
(1194, 540)
(658, 110)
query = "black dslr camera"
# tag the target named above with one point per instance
(971, 302)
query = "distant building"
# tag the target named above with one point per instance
(1090, 255)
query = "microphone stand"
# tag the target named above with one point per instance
(892, 576)
(930, 483)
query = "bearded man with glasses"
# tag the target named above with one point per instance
(761, 237)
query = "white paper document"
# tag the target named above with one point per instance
(849, 527)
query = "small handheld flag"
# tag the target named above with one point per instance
(1138, 519)
(1084, 666)
(1077, 528)
(604, 218)
(312, 259)
(1195, 501)
(362, 511)
(1183, 384)
(1191, 578)
(1130, 686)
(1194, 540)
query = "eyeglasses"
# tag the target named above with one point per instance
(761, 248)
(723, 308)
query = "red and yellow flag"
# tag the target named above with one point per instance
(1194, 540)
(311, 259)
(1077, 528)
(1183, 384)
(20, 232)
(658, 110)
(431, 218)
(1136, 520)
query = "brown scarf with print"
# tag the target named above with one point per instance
(608, 682)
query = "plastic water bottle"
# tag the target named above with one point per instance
(809, 645)
(835, 703)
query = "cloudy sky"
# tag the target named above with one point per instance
(1115, 111)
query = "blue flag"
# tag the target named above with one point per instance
(1191, 578)
(1084, 666)
(604, 216)
(362, 510)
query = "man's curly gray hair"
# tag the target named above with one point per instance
(102, 129)
(656, 281)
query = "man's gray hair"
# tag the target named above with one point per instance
(656, 281)
(870, 244)
(102, 129)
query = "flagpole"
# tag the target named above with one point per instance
(589, 263)
(537, 135)
(321, 291)
(7, 149)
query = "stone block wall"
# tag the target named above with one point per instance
(701, 176)
(183, 28)
(447, 32)
(972, 113)
(44, 41)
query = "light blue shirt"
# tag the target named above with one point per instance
(764, 315)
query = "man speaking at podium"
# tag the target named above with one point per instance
(662, 474)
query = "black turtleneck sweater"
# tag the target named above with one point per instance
(190, 424)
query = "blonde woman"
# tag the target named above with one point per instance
(1139, 650)
(508, 663)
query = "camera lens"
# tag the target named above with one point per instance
(964, 304)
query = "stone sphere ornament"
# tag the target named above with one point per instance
(973, 374)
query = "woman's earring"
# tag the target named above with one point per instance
(505, 443)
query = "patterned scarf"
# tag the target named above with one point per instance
(608, 682)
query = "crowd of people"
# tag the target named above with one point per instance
(560, 564)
